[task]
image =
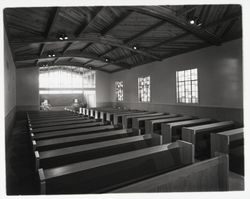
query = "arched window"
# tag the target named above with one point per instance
(65, 79)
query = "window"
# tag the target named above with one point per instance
(119, 91)
(187, 86)
(65, 79)
(144, 89)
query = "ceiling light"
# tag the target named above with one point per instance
(194, 21)
(49, 55)
(135, 47)
(106, 59)
(53, 55)
(62, 36)
(191, 21)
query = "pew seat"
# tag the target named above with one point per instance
(88, 123)
(71, 132)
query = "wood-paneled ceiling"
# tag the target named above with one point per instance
(115, 38)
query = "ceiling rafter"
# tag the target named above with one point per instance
(138, 35)
(112, 25)
(50, 25)
(228, 28)
(90, 37)
(231, 17)
(65, 63)
(83, 28)
(186, 9)
(74, 54)
(165, 14)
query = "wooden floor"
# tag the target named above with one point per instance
(21, 178)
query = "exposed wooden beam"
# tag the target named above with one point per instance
(186, 9)
(83, 28)
(228, 28)
(137, 35)
(85, 47)
(62, 63)
(165, 14)
(234, 16)
(91, 37)
(116, 22)
(6, 27)
(50, 25)
(113, 24)
(76, 54)
(54, 62)
(36, 62)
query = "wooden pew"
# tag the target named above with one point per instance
(48, 119)
(200, 136)
(115, 171)
(152, 126)
(172, 131)
(127, 119)
(65, 127)
(139, 123)
(61, 123)
(50, 115)
(111, 114)
(62, 142)
(70, 132)
(68, 155)
(230, 142)
(56, 120)
(46, 113)
(207, 175)
(119, 117)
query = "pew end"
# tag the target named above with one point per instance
(42, 181)
(137, 131)
(208, 175)
(37, 160)
(34, 145)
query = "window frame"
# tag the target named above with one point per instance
(177, 94)
(138, 93)
(117, 91)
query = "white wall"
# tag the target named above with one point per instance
(220, 76)
(9, 90)
(9, 78)
(219, 73)
(102, 88)
(27, 84)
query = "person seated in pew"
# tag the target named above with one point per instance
(45, 106)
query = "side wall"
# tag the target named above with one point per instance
(220, 83)
(9, 89)
(27, 85)
(102, 89)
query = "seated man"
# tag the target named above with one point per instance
(45, 105)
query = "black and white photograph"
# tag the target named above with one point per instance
(119, 99)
